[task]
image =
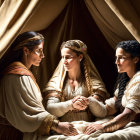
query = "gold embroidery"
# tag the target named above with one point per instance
(133, 85)
(127, 95)
(46, 125)
(53, 94)
(131, 97)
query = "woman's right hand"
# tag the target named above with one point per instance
(80, 102)
(92, 127)
(66, 128)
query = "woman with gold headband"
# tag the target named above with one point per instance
(22, 114)
(75, 92)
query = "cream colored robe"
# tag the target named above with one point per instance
(131, 131)
(131, 98)
(21, 104)
(63, 109)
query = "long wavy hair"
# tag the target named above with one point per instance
(133, 48)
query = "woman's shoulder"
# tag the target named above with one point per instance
(135, 79)
(134, 84)
(15, 79)
(9, 78)
(137, 75)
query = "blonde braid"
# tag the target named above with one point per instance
(87, 78)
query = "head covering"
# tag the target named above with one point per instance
(57, 80)
(23, 43)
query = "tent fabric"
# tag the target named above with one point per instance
(13, 16)
(75, 22)
(17, 16)
(128, 13)
(45, 14)
(100, 24)
(108, 22)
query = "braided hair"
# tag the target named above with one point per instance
(121, 82)
(83, 65)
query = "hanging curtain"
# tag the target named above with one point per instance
(17, 16)
(45, 14)
(107, 21)
(75, 22)
(57, 25)
(13, 15)
(128, 11)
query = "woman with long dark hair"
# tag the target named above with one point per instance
(126, 102)
(23, 115)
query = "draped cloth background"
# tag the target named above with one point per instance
(101, 24)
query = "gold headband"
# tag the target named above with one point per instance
(23, 43)
(83, 47)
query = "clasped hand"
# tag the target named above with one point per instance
(80, 103)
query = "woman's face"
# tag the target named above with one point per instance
(70, 59)
(34, 57)
(124, 61)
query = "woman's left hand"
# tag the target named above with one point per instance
(92, 127)
(80, 102)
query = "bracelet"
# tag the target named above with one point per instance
(55, 124)
(99, 96)
(45, 126)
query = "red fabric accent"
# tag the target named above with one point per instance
(17, 68)
(20, 69)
